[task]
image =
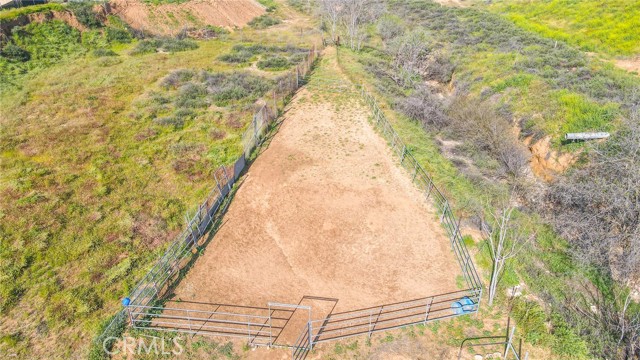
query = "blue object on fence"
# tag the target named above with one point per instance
(126, 301)
(457, 308)
(465, 305)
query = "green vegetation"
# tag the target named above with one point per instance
(37, 46)
(551, 87)
(163, 45)
(272, 58)
(270, 5)
(274, 63)
(101, 154)
(545, 266)
(10, 14)
(608, 27)
(264, 21)
(83, 11)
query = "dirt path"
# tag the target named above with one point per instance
(324, 211)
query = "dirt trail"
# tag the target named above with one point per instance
(325, 211)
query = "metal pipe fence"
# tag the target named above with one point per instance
(141, 313)
(164, 273)
(420, 311)
(425, 183)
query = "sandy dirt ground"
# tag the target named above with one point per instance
(324, 212)
(631, 65)
(168, 19)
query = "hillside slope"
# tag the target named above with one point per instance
(171, 18)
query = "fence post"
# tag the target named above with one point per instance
(226, 178)
(255, 131)
(429, 190)
(275, 102)
(189, 319)
(444, 210)
(310, 335)
(428, 308)
(404, 152)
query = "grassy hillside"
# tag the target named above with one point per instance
(470, 65)
(551, 87)
(102, 151)
(609, 27)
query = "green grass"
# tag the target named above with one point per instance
(545, 266)
(10, 14)
(52, 42)
(270, 5)
(608, 27)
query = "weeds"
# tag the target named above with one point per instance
(274, 63)
(163, 45)
(264, 21)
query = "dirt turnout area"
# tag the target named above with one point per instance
(324, 212)
(168, 19)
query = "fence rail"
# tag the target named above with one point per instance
(420, 311)
(141, 313)
(425, 183)
(164, 273)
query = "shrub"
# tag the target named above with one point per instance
(270, 5)
(145, 47)
(83, 11)
(163, 44)
(176, 45)
(169, 121)
(263, 22)
(215, 31)
(15, 53)
(101, 52)
(118, 35)
(235, 86)
(177, 78)
(424, 106)
(275, 62)
(390, 27)
(236, 57)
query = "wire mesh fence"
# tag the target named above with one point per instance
(165, 272)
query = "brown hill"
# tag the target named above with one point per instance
(169, 19)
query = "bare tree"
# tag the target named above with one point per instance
(332, 11)
(409, 54)
(356, 14)
(505, 240)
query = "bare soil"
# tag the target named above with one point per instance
(324, 212)
(631, 64)
(169, 19)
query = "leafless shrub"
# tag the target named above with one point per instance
(425, 107)
(611, 321)
(597, 206)
(177, 78)
(478, 122)
(389, 28)
(439, 68)
(409, 54)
